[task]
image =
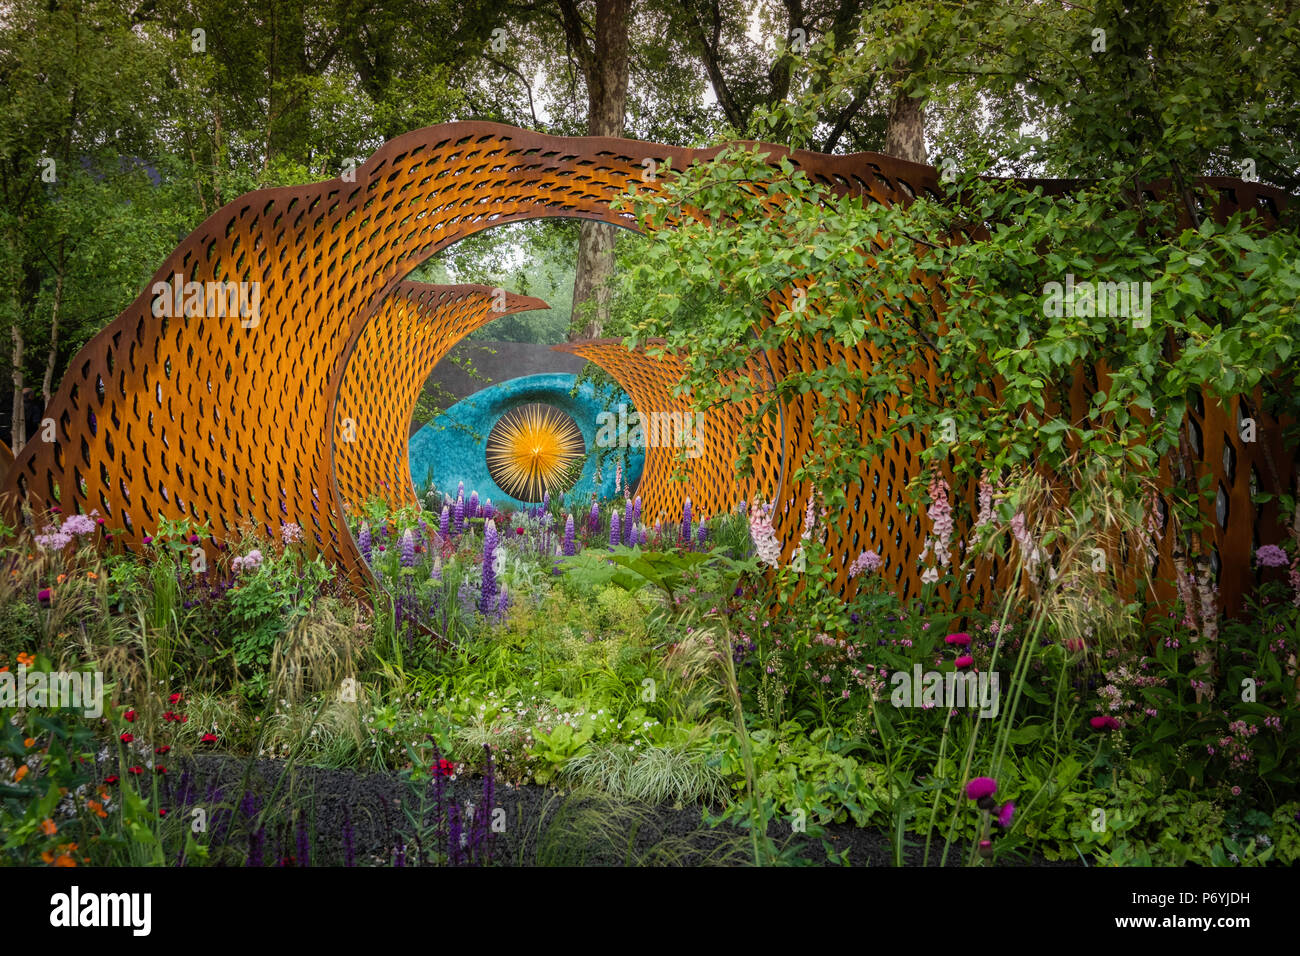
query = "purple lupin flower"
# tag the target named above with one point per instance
(702, 535)
(488, 510)
(685, 538)
(473, 504)
(488, 598)
(444, 521)
(642, 536)
(593, 520)
(460, 489)
(459, 515)
(364, 540)
(629, 527)
(570, 549)
(636, 510)
(408, 549)
(546, 501)
(613, 528)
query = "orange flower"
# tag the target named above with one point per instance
(60, 579)
(65, 860)
(29, 742)
(92, 575)
(96, 808)
(20, 773)
(26, 660)
(5, 669)
(48, 827)
(47, 856)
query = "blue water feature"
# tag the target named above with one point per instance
(449, 449)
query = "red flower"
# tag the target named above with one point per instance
(162, 812)
(112, 778)
(519, 530)
(1105, 722)
(174, 698)
(169, 716)
(129, 716)
(182, 718)
(208, 739)
(162, 750)
(159, 769)
(127, 738)
(135, 770)
(443, 768)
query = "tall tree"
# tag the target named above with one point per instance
(599, 45)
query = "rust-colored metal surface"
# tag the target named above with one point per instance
(6, 462)
(699, 462)
(415, 327)
(229, 419)
(221, 393)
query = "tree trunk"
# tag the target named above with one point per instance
(905, 137)
(606, 73)
(19, 431)
(50, 361)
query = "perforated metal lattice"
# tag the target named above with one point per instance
(415, 327)
(233, 419)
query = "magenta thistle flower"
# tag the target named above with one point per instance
(1005, 814)
(961, 640)
(980, 787)
(1104, 722)
(963, 662)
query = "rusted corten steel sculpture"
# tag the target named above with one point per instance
(879, 516)
(386, 370)
(700, 463)
(221, 403)
(181, 409)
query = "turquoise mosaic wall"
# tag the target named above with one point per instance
(449, 449)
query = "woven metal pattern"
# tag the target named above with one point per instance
(224, 403)
(415, 327)
(701, 465)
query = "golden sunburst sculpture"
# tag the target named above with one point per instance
(532, 450)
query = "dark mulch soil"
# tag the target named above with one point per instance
(541, 825)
